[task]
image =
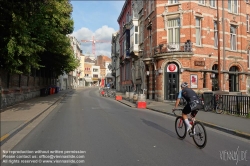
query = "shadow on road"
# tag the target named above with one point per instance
(160, 128)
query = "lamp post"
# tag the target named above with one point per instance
(218, 38)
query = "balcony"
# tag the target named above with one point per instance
(134, 48)
(174, 47)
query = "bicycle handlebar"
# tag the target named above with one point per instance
(173, 110)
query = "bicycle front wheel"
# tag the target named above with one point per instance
(200, 135)
(180, 127)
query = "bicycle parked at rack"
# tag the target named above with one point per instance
(106, 92)
(216, 104)
(220, 106)
(198, 132)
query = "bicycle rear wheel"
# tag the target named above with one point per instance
(219, 108)
(207, 108)
(200, 135)
(180, 127)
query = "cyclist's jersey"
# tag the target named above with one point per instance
(191, 97)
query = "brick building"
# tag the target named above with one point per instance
(104, 62)
(124, 40)
(178, 42)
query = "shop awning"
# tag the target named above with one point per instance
(88, 79)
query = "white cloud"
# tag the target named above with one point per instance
(102, 36)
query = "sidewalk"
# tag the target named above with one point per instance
(231, 124)
(15, 118)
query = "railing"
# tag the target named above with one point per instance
(232, 104)
(239, 105)
(174, 47)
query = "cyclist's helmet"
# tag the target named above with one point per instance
(184, 85)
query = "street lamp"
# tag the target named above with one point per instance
(218, 38)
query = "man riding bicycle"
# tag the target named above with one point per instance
(193, 103)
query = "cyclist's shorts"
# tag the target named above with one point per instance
(187, 109)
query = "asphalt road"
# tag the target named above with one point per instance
(103, 132)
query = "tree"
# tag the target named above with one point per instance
(36, 35)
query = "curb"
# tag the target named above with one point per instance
(210, 125)
(9, 135)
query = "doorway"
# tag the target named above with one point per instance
(171, 78)
(234, 79)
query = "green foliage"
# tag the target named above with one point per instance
(35, 36)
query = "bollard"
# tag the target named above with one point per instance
(141, 104)
(135, 98)
(118, 97)
(127, 95)
(142, 97)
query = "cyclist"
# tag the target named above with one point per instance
(193, 103)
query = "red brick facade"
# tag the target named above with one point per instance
(201, 61)
(183, 35)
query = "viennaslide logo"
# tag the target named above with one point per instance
(237, 155)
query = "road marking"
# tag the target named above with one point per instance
(4, 137)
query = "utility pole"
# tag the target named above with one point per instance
(224, 51)
(218, 36)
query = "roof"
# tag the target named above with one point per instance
(105, 58)
(89, 60)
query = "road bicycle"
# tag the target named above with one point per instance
(198, 131)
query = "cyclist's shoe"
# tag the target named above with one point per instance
(192, 133)
(189, 129)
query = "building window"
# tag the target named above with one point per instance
(127, 18)
(202, 2)
(124, 48)
(174, 31)
(233, 6)
(233, 37)
(150, 41)
(215, 34)
(198, 30)
(132, 36)
(248, 58)
(172, 1)
(136, 35)
(212, 3)
(248, 24)
(150, 6)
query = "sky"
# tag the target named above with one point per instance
(98, 19)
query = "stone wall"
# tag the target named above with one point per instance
(16, 88)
